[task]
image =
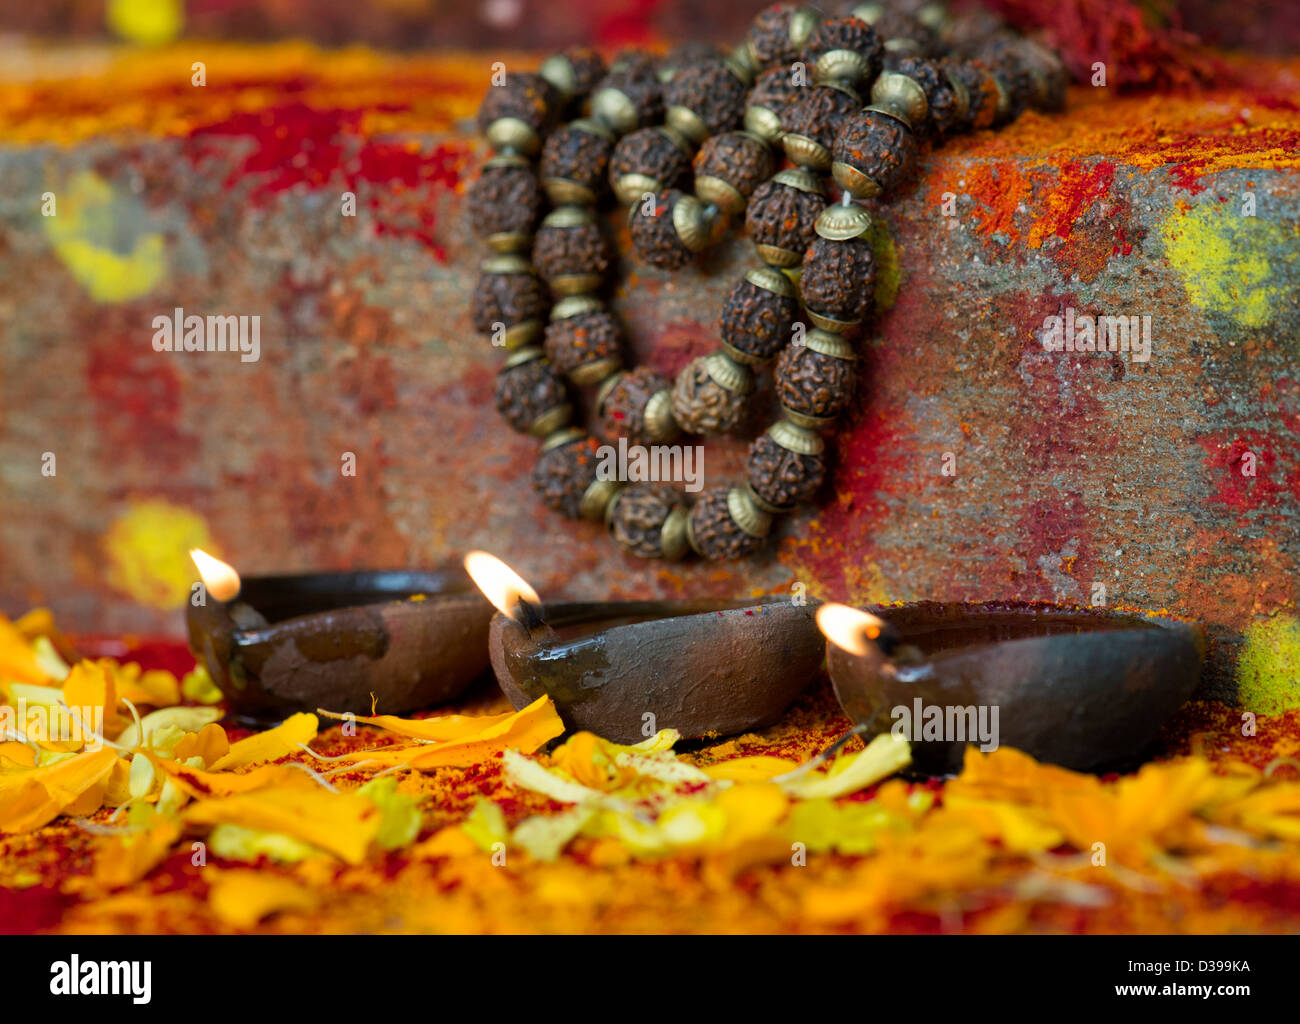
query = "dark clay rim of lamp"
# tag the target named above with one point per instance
(333, 639)
(1084, 688)
(704, 667)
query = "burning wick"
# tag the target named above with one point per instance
(856, 631)
(222, 582)
(506, 589)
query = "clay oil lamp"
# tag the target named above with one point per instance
(625, 669)
(279, 644)
(1087, 689)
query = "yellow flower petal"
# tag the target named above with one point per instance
(883, 756)
(244, 898)
(272, 744)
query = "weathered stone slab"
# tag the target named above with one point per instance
(1069, 470)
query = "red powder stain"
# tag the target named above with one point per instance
(149, 654)
(137, 401)
(1228, 456)
(1081, 185)
(630, 24)
(297, 145)
(998, 188)
(24, 911)
(1184, 176)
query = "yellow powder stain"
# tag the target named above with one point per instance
(148, 552)
(1268, 670)
(146, 22)
(1222, 258)
(888, 274)
(86, 233)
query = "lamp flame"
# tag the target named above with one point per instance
(848, 628)
(499, 583)
(221, 579)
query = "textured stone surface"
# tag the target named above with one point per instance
(1069, 470)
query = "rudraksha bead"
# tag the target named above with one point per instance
(901, 31)
(692, 53)
(649, 521)
(516, 114)
(981, 93)
(945, 97)
(782, 215)
(629, 97)
(759, 315)
(509, 293)
(583, 340)
(571, 252)
(1050, 77)
(786, 466)
(873, 153)
(648, 160)
(839, 269)
(704, 100)
(815, 380)
(574, 162)
(767, 101)
(574, 72)
(672, 230)
(1015, 75)
(637, 405)
(566, 470)
(710, 395)
(530, 395)
(778, 35)
(845, 50)
(505, 204)
(811, 121)
(726, 523)
(729, 167)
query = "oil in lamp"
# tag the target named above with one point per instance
(624, 669)
(278, 644)
(1084, 688)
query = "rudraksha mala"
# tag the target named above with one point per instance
(689, 143)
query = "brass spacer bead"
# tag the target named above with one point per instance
(729, 374)
(772, 281)
(569, 216)
(794, 438)
(800, 178)
(806, 152)
(809, 422)
(764, 123)
(523, 354)
(614, 110)
(557, 69)
(594, 372)
(746, 513)
(775, 256)
(896, 94)
(830, 324)
(563, 436)
(835, 67)
(722, 194)
(854, 181)
(506, 263)
(597, 498)
(802, 23)
(510, 242)
(575, 305)
(660, 424)
(694, 224)
(674, 541)
(514, 136)
(687, 123)
(830, 344)
(551, 420)
(606, 386)
(840, 222)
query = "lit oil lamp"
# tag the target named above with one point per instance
(1084, 688)
(277, 644)
(624, 669)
